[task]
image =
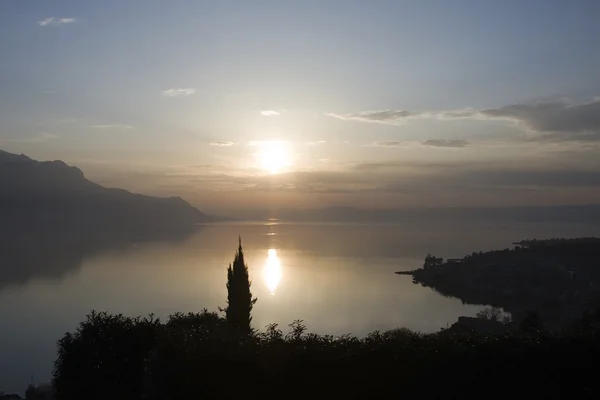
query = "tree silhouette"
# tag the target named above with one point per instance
(432, 261)
(239, 297)
(490, 313)
(104, 358)
(531, 322)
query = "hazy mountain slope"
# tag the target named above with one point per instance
(43, 193)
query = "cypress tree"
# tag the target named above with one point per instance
(239, 297)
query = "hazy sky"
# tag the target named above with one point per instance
(310, 103)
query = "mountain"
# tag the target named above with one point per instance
(53, 194)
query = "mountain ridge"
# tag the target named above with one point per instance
(43, 192)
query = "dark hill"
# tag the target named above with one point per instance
(557, 278)
(50, 194)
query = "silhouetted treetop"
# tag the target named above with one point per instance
(239, 298)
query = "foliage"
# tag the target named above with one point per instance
(531, 322)
(494, 314)
(104, 357)
(197, 356)
(239, 297)
(432, 261)
(490, 313)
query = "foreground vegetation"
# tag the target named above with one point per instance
(197, 356)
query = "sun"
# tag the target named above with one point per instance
(274, 156)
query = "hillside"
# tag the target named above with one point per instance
(51, 193)
(559, 278)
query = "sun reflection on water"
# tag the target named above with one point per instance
(272, 271)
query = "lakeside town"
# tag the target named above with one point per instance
(559, 279)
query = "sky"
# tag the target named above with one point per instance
(251, 104)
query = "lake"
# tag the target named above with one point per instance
(338, 278)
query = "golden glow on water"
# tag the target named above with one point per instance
(272, 271)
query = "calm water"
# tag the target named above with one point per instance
(337, 278)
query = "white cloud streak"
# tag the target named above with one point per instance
(448, 143)
(385, 143)
(120, 127)
(393, 117)
(179, 92)
(53, 21)
(221, 143)
(269, 113)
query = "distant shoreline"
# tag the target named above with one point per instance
(557, 277)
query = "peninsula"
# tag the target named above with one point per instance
(558, 278)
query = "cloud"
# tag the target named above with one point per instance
(221, 144)
(316, 143)
(269, 113)
(451, 143)
(120, 127)
(528, 177)
(52, 21)
(179, 92)
(383, 116)
(557, 120)
(549, 121)
(551, 116)
(421, 180)
(384, 143)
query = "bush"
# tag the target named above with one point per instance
(105, 357)
(195, 356)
